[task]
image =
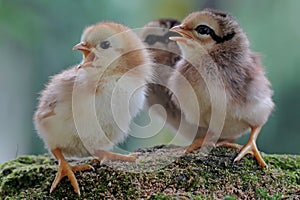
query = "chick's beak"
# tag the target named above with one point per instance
(83, 47)
(184, 32)
(89, 56)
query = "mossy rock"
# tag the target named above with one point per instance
(160, 173)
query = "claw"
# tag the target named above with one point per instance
(249, 148)
(64, 169)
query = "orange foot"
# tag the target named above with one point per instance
(200, 142)
(106, 155)
(64, 169)
(249, 148)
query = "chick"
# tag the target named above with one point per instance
(166, 54)
(86, 109)
(227, 77)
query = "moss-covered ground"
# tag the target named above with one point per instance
(159, 173)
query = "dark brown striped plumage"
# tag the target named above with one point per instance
(227, 77)
(165, 54)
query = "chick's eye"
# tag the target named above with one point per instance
(105, 44)
(150, 39)
(203, 30)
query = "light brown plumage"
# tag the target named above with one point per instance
(87, 109)
(227, 77)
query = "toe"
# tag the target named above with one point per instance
(251, 148)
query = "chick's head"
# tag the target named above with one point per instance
(106, 42)
(212, 30)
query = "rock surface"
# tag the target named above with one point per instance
(160, 173)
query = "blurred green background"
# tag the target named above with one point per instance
(36, 40)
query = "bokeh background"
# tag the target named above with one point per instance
(36, 40)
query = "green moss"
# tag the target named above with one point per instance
(289, 164)
(263, 194)
(159, 174)
(230, 197)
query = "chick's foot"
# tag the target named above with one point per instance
(65, 169)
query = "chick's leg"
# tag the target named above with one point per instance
(199, 142)
(249, 148)
(106, 155)
(229, 144)
(64, 169)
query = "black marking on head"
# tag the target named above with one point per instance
(165, 23)
(168, 23)
(152, 39)
(206, 30)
